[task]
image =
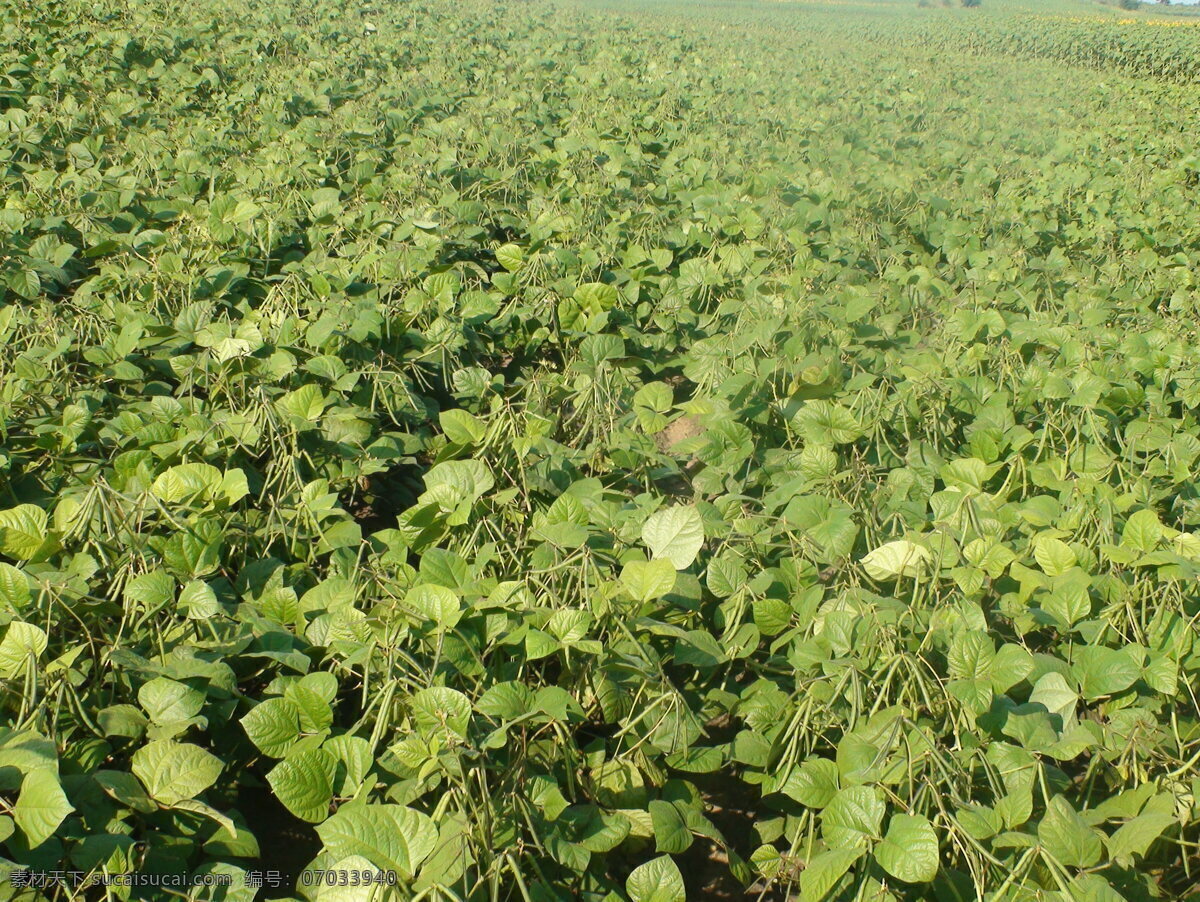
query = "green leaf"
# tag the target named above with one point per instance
(1069, 600)
(698, 648)
(23, 644)
(1104, 671)
(853, 817)
(41, 806)
(823, 872)
(1133, 839)
(510, 256)
(657, 397)
(1067, 836)
(462, 428)
(173, 771)
(454, 481)
(1011, 665)
(505, 701)
(826, 423)
(354, 758)
(971, 656)
(168, 701)
(772, 615)
(194, 807)
(1143, 531)
(22, 531)
(26, 751)
(303, 782)
(598, 831)
(185, 482)
(909, 850)
(15, 592)
(24, 282)
(198, 601)
(658, 880)
(313, 697)
(1054, 693)
(595, 297)
(234, 486)
(391, 837)
(440, 708)
(436, 604)
(150, 591)
(674, 534)
(306, 403)
(273, 725)
(896, 559)
(122, 720)
(671, 833)
(1054, 556)
(814, 783)
(648, 580)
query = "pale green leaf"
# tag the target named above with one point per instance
(896, 559)
(173, 771)
(658, 880)
(674, 534)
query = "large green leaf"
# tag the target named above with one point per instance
(671, 833)
(306, 403)
(814, 783)
(461, 427)
(1133, 839)
(22, 531)
(21, 647)
(896, 559)
(437, 604)
(658, 880)
(168, 701)
(648, 580)
(909, 850)
(313, 697)
(391, 837)
(1104, 671)
(1054, 556)
(173, 771)
(187, 481)
(41, 805)
(853, 817)
(441, 709)
(1067, 836)
(273, 725)
(15, 591)
(674, 534)
(824, 870)
(303, 782)
(826, 423)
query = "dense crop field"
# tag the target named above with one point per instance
(527, 451)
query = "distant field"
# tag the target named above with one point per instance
(616, 451)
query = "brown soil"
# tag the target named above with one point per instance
(678, 431)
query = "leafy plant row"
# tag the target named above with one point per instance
(536, 453)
